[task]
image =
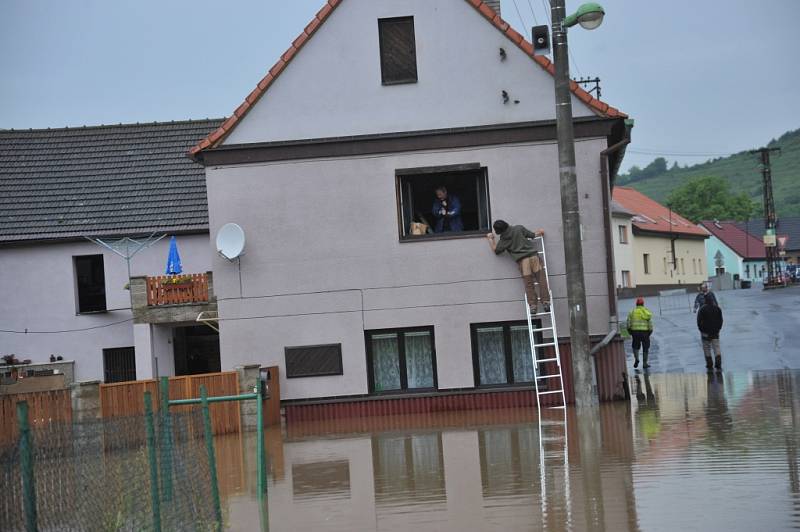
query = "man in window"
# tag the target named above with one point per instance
(515, 240)
(447, 212)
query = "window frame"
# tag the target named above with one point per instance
(626, 278)
(107, 353)
(646, 262)
(623, 234)
(286, 350)
(509, 358)
(382, 52)
(78, 309)
(404, 389)
(401, 173)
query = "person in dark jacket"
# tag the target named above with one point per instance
(447, 212)
(517, 241)
(709, 322)
(705, 294)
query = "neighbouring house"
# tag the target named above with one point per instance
(66, 296)
(339, 150)
(732, 250)
(622, 233)
(668, 250)
(787, 228)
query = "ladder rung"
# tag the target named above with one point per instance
(546, 344)
(543, 329)
(554, 454)
(562, 407)
(552, 439)
(552, 423)
(549, 376)
(552, 391)
(543, 313)
(540, 360)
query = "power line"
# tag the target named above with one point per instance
(535, 21)
(26, 331)
(521, 20)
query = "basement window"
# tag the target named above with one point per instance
(398, 50)
(443, 202)
(90, 282)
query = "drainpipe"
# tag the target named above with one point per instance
(613, 319)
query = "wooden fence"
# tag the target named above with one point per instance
(44, 408)
(127, 398)
(160, 291)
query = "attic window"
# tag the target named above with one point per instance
(398, 50)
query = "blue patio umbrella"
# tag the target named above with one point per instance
(173, 259)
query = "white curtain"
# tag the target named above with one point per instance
(491, 356)
(385, 362)
(521, 354)
(419, 359)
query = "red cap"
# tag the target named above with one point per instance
(640, 301)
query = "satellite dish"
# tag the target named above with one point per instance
(230, 241)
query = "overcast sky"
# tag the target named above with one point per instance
(697, 78)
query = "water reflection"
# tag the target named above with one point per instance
(689, 452)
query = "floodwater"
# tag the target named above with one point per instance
(689, 452)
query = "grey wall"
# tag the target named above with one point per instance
(37, 283)
(332, 87)
(330, 226)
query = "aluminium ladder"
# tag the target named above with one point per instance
(553, 440)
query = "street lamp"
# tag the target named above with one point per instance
(589, 16)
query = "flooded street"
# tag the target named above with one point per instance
(689, 452)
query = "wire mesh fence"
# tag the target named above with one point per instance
(99, 475)
(677, 300)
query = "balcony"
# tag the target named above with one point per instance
(160, 299)
(192, 288)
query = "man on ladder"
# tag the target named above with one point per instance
(516, 241)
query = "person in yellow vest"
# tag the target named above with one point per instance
(640, 325)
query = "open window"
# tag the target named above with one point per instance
(466, 187)
(90, 283)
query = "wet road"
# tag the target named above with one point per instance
(689, 452)
(761, 331)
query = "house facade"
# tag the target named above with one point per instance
(66, 296)
(732, 250)
(622, 234)
(787, 227)
(668, 250)
(340, 149)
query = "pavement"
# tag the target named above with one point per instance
(761, 331)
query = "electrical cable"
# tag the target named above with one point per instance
(535, 20)
(521, 20)
(26, 331)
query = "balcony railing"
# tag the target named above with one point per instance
(162, 291)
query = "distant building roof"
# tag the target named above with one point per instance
(101, 180)
(649, 215)
(619, 210)
(743, 244)
(789, 226)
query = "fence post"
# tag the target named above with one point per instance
(26, 464)
(212, 460)
(151, 455)
(260, 458)
(166, 441)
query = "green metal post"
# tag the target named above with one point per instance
(166, 441)
(26, 464)
(151, 455)
(212, 460)
(260, 454)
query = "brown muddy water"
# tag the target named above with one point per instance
(688, 453)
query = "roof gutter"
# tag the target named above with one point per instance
(607, 174)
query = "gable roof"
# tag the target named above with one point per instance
(649, 215)
(218, 135)
(789, 225)
(743, 244)
(101, 180)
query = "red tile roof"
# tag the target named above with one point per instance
(650, 215)
(743, 244)
(215, 138)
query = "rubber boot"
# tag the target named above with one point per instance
(646, 355)
(636, 359)
(709, 364)
(718, 363)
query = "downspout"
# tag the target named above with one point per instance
(613, 319)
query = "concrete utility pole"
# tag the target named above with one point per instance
(582, 364)
(770, 218)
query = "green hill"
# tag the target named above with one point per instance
(742, 170)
